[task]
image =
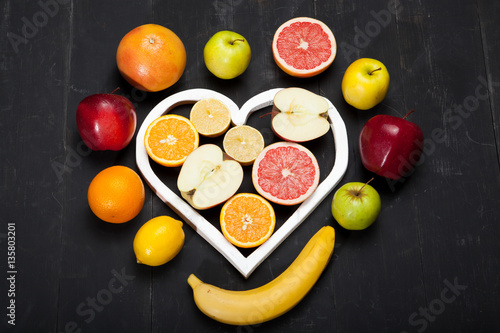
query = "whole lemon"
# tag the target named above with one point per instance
(158, 241)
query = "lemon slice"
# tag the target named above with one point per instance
(211, 117)
(243, 143)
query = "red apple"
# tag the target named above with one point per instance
(390, 146)
(106, 121)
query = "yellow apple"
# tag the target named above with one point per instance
(365, 83)
(227, 54)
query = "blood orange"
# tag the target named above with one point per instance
(285, 173)
(304, 47)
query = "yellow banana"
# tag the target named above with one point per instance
(254, 306)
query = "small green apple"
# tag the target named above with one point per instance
(227, 54)
(365, 83)
(356, 206)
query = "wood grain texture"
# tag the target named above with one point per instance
(33, 103)
(488, 12)
(429, 264)
(97, 275)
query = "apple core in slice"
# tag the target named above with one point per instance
(285, 173)
(299, 115)
(209, 177)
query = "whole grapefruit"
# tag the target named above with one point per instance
(151, 57)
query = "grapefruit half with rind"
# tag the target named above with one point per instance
(285, 173)
(304, 47)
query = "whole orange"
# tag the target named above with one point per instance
(116, 194)
(151, 57)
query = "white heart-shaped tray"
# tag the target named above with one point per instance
(245, 265)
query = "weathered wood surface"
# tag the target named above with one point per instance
(430, 263)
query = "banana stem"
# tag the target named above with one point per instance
(193, 281)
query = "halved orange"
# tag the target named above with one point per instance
(169, 139)
(247, 220)
(211, 117)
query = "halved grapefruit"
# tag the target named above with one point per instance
(285, 173)
(304, 47)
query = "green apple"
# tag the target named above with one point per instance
(227, 54)
(365, 83)
(355, 206)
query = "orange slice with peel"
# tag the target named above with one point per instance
(169, 139)
(247, 220)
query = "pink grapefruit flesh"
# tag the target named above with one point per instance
(285, 173)
(304, 47)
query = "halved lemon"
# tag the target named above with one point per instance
(243, 143)
(211, 117)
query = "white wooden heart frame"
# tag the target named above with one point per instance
(245, 265)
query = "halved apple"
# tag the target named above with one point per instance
(209, 177)
(299, 115)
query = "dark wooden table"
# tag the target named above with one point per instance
(429, 264)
